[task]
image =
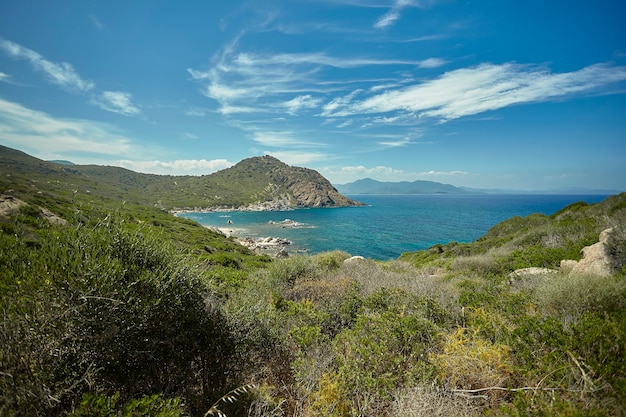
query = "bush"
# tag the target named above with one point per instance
(470, 362)
(100, 310)
(571, 295)
(381, 353)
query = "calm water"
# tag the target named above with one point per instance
(390, 224)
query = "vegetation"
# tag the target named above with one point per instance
(124, 310)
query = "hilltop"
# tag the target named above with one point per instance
(258, 182)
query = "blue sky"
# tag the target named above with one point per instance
(492, 94)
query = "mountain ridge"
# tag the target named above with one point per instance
(371, 186)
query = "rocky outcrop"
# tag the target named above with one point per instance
(595, 259)
(9, 203)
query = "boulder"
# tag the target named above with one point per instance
(524, 273)
(595, 259)
(353, 259)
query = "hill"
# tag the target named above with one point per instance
(259, 182)
(370, 186)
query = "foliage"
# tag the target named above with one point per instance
(151, 406)
(468, 361)
(100, 309)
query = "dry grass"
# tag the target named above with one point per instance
(371, 276)
(431, 402)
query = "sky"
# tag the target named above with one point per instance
(524, 95)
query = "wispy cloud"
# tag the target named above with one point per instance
(396, 141)
(397, 7)
(86, 141)
(345, 174)
(296, 104)
(117, 102)
(243, 82)
(5, 78)
(48, 136)
(392, 15)
(61, 74)
(196, 112)
(470, 91)
(279, 139)
(96, 22)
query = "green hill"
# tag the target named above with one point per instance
(258, 180)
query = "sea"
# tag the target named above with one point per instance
(389, 224)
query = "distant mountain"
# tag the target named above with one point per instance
(260, 183)
(370, 186)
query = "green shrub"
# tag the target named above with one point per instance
(102, 310)
(570, 295)
(151, 406)
(382, 352)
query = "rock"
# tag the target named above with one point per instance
(51, 217)
(8, 204)
(595, 260)
(530, 272)
(354, 259)
(287, 223)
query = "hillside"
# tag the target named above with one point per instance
(117, 308)
(261, 181)
(370, 186)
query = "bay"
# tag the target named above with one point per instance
(390, 224)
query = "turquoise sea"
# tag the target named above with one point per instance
(390, 224)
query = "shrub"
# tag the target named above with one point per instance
(470, 362)
(382, 352)
(570, 295)
(102, 310)
(151, 406)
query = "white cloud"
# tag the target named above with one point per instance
(62, 74)
(469, 91)
(442, 174)
(296, 104)
(177, 167)
(117, 102)
(5, 77)
(432, 63)
(48, 137)
(390, 18)
(243, 82)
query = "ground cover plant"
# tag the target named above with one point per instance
(125, 310)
